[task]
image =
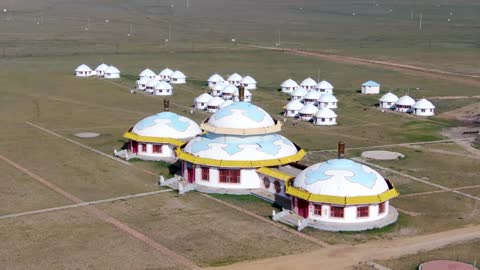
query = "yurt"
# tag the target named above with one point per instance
(247, 93)
(423, 107)
(249, 83)
(404, 104)
(325, 117)
(201, 101)
(238, 140)
(298, 93)
(142, 83)
(214, 80)
(328, 101)
(370, 87)
(100, 70)
(147, 73)
(228, 90)
(234, 79)
(388, 101)
(163, 88)
(112, 73)
(324, 87)
(214, 104)
(150, 86)
(308, 84)
(307, 112)
(217, 89)
(226, 103)
(312, 97)
(292, 109)
(156, 137)
(178, 77)
(83, 71)
(343, 195)
(165, 74)
(289, 86)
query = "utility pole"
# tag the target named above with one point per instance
(318, 75)
(420, 22)
(169, 31)
(279, 38)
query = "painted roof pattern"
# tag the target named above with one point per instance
(241, 115)
(167, 125)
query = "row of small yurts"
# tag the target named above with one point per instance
(103, 70)
(161, 84)
(298, 90)
(406, 104)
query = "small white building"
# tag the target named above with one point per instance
(147, 73)
(423, 107)
(292, 109)
(217, 89)
(370, 87)
(298, 93)
(311, 97)
(201, 101)
(388, 101)
(404, 104)
(178, 77)
(141, 84)
(249, 83)
(228, 90)
(100, 70)
(289, 86)
(163, 88)
(83, 71)
(247, 95)
(324, 87)
(235, 79)
(150, 86)
(214, 104)
(325, 117)
(112, 73)
(308, 84)
(214, 80)
(328, 101)
(165, 74)
(307, 112)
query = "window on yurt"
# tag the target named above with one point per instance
(278, 187)
(157, 148)
(317, 210)
(362, 211)
(205, 174)
(336, 211)
(266, 182)
(381, 208)
(229, 176)
(144, 147)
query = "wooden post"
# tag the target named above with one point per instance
(341, 150)
(166, 105)
(241, 93)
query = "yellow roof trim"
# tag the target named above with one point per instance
(275, 174)
(241, 131)
(132, 136)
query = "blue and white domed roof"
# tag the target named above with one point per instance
(341, 177)
(167, 125)
(241, 115)
(241, 148)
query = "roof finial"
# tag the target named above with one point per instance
(166, 105)
(241, 93)
(341, 150)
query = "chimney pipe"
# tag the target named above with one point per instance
(341, 150)
(166, 105)
(241, 93)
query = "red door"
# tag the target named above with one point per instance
(302, 208)
(191, 175)
(134, 147)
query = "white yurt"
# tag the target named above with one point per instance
(235, 79)
(298, 93)
(249, 83)
(142, 83)
(165, 74)
(388, 101)
(324, 87)
(328, 101)
(214, 104)
(423, 107)
(201, 101)
(83, 71)
(292, 109)
(150, 86)
(312, 97)
(404, 104)
(228, 90)
(100, 70)
(163, 88)
(371, 87)
(112, 73)
(214, 80)
(247, 95)
(147, 73)
(178, 77)
(217, 89)
(289, 86)
(307, 112)
(308, 84)
(325, 117)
